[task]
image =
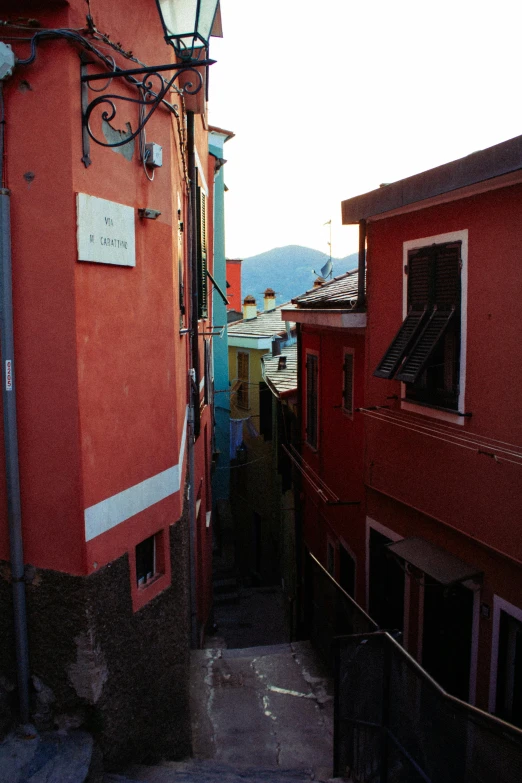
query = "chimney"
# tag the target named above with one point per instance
(249, 308)
(282, 363)
(269, 300)
(318, 282)
(276, 346)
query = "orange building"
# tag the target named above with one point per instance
(110, 248)
(234, 284)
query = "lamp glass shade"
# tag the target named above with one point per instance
(187, 23)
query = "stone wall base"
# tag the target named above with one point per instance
(121, 675)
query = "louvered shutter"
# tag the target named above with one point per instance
(418, 300)
(348, 383)
(242, 374)
(445, 285)
(202, 254)
(311, 400)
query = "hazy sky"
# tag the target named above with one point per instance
(328, 99)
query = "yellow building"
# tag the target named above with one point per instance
(255, 485)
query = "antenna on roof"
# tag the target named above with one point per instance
(327, 269)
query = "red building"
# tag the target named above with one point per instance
(331, 343)
(442, 421)
(110, 248)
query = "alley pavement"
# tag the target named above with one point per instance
(258, 714)
(262, 706)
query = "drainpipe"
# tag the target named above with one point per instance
(194, 632)
(193, 265)
(11, 456)
(193, 414)
(361, 287)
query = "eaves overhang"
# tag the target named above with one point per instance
(280, 394)
(340, 319)
(488, 169)
(254, 343)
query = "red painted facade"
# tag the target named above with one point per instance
(234, 281)
(101, 366)
(453, 482)
(338, 456)
(447, 480)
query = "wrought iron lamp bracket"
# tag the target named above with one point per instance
(152, 88)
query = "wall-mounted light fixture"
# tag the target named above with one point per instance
(148, 214)
(187, 25)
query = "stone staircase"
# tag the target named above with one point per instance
(226, 591)
(197, 771)
(259, 715)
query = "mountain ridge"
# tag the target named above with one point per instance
(290, 270)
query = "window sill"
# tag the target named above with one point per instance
(142, 594)
(434, 413)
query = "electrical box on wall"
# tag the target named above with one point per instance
(7, 60)
(153, 155)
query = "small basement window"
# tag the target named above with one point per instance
(146, 561)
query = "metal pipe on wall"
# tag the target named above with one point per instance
(361, 283)
(193, 414)
(193, 259)
(11, 456)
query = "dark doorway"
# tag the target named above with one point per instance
(386, 585)
(346, 571)
(256, 546)
(509, 672)
(446, 640)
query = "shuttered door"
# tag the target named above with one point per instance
(311, 400)
(242, 374)
(348, 383)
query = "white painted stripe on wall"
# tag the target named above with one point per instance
(112, 511)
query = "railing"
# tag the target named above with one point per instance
(394, 724)
(330, 611)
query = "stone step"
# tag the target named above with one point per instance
(231, 597)
(48, 757)
(208, 772)
(224, 585)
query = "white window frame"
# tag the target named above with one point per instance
(417, 244)
(499, 605)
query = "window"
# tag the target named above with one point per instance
(311, 399)
(202, 254)
(181, 284)
(243, 400)
(265, 411)
(425, 354)
(348, 383)
(146, 561)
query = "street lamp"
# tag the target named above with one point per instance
(187, 25)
